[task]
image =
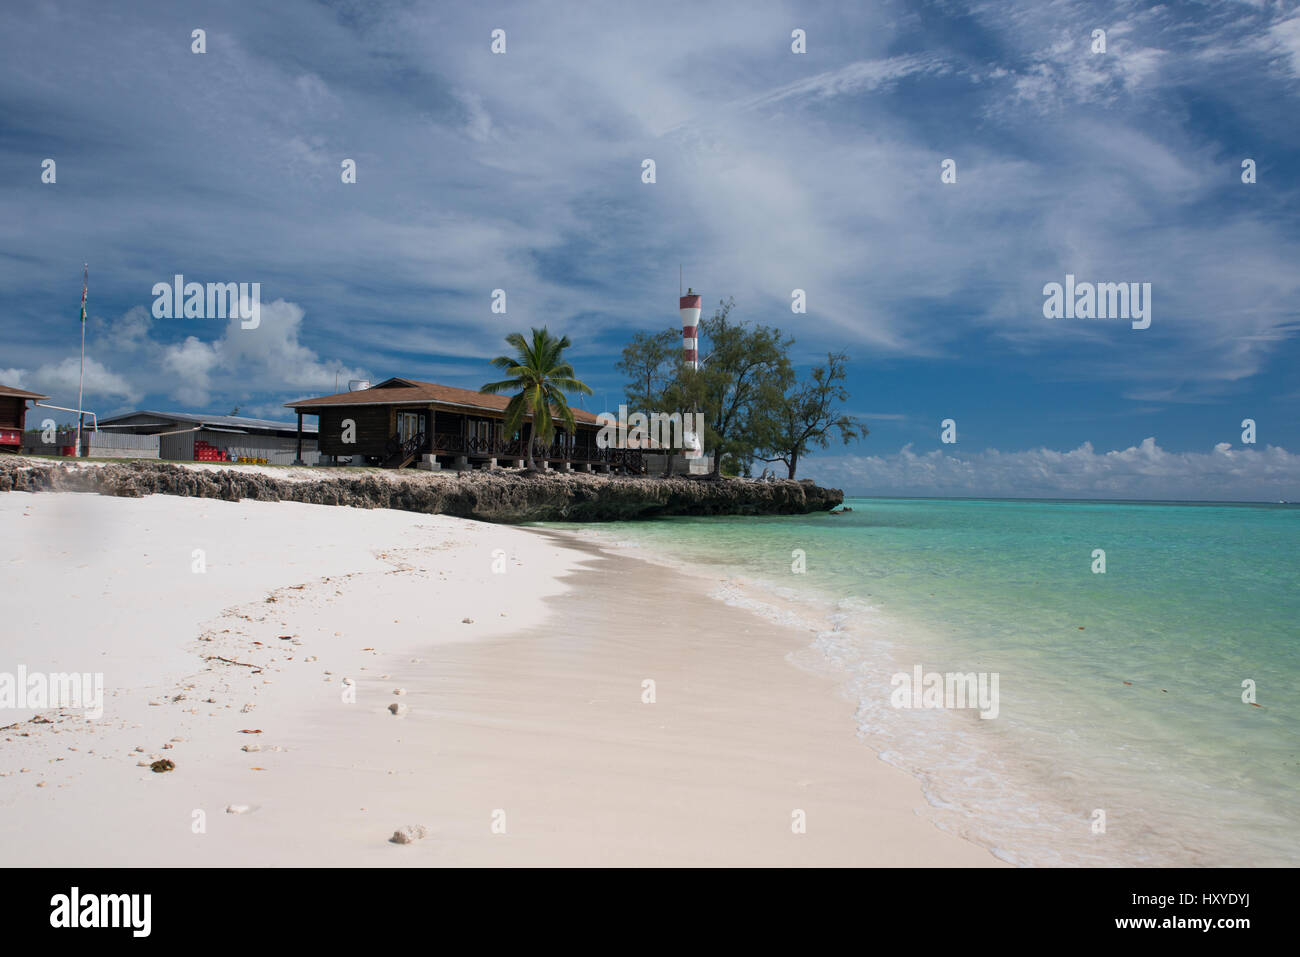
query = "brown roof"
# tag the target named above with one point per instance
(398, 391)
(20, 393)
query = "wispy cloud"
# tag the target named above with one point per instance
(775, 171)
(1284, 40)
(862, 76)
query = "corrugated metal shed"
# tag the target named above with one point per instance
(194, 436)
(148, 419)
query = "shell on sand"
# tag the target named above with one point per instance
(398, 708)
(410, 834)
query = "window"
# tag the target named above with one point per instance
(409, 425)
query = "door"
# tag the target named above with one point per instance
(480, 436)
(409, 425)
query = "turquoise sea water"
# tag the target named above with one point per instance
(1119, 693)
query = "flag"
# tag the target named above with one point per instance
(84, 276)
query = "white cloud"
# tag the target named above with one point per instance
(313, 89)
(193, 362)
(59, 380)
(860, 76)
(14, 378)
(1285, 42)
(1067, 72)
(478, 123)
(1145, 471)
(194, 372)
(273, 352)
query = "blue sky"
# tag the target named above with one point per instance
(775, 171)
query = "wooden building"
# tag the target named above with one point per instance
(13, 416)
(402, 422)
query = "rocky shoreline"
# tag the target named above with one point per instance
(492, 496)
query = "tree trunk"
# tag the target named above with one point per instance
(794, 464)
(528, 450)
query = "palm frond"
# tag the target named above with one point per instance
(505, 385)
(516, 408)
(567, 384)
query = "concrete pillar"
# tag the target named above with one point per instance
(585, 467)
(462, 462)
(516, 463)
(489, 464)
(429, 463)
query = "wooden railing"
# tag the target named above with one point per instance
(448, 443)
(401, 452)
(445, 443)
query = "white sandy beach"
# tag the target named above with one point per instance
(530, 715)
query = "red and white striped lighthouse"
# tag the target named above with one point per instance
(690, 306)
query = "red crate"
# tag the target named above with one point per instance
(207, 452)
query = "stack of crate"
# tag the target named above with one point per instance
(207, 452)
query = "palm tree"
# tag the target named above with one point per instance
(539, 379)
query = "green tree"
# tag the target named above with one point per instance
(539, 377)
(658, 380)
(649, 363)
(743, 376)
(685, 396)
(806, 416)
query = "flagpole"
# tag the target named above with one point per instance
(81, 378)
